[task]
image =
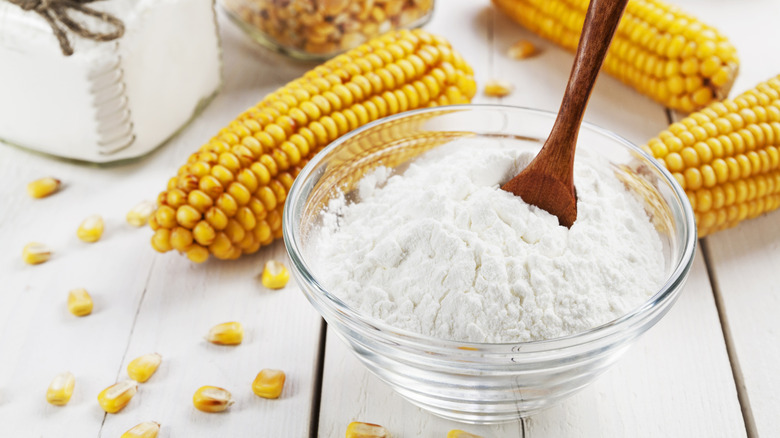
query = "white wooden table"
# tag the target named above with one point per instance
(709, 368)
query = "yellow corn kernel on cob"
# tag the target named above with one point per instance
(141, 368)
(357, 429)
(91, 229)
(658, 49)
(227, 333)
(227, 199)
(275, 275)
(497, 88)
(35, 253)
(114, 398)
(139, 215)
(61, 389)
(212, 399)
(268, 383)
(43, 187)
(457, 433)
(727, 157)
(79, 302)
(147, 429)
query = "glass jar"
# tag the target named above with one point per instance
(319, 29)
(105, 101)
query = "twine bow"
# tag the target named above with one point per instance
(56, 13)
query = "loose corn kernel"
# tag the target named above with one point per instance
(521, 50)
(114, 398)
(79, 302)
(141, 368)
(41, 188)
(227, 333)
(91, 229)
(212, 399)
(268, 383)
(275, 275)
(357, 429)
(35, 253)
(231, 191)
(147, 429)
(61, 389)
(457, 433)
(496, 88)
(139, 215)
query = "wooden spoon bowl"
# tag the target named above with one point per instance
(548, 181)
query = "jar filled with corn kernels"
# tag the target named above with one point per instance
(319, 29)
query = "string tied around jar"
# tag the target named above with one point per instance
(57, 14)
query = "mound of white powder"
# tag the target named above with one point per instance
(442, 251)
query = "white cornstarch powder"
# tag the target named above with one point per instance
(441, 250)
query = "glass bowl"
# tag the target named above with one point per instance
(318, 30)
(478, 382)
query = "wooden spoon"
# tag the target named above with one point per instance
(548, 181)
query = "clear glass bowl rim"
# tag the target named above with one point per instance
(665, 295)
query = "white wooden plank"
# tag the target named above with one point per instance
(38, 337)
(350, 393)
(643, 388)
(144, 301)
(743, 260)
(181, 303)
(675, 382)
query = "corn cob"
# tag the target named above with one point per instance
(727, 157)
(658, 49)
(227, 200)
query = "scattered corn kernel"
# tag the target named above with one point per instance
(357, 429)
(91, 229)
(139, 215)
(268, 383)
(496, 88)
(275, 275)
(147, 429)
(521, 50)
(457, 433)
(60, 389)
(41, 188)
(227, 333)
(141, 368)
(79, 302)
(35, 253)
(114, 398)
(212, 399)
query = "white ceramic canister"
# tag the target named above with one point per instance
(108, 100)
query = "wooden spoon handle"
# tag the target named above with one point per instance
(600, 24)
